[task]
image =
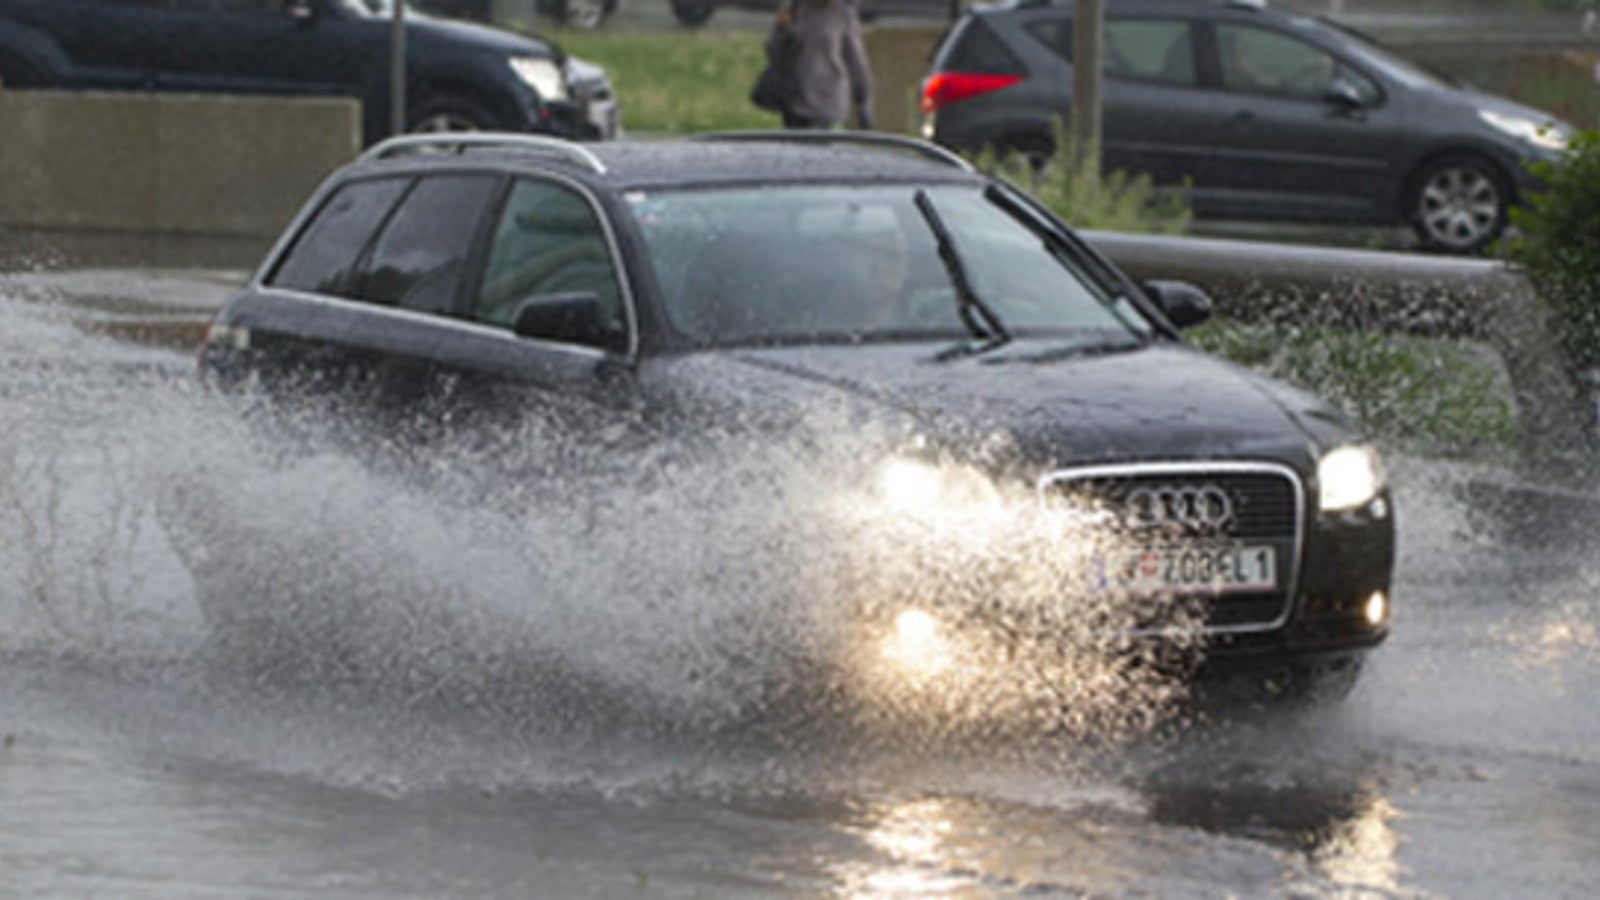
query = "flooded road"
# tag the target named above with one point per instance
(540, 695)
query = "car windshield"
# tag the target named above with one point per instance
(853, 263)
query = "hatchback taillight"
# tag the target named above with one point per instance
(944, 88)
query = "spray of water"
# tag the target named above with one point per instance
(556, 580)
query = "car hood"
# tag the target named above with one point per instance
(1162, 401)
(429, 30)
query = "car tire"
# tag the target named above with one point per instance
(1459, 203)
(450, 112)
(693, 13)
(585, 15)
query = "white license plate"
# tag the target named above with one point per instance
(1219, 569)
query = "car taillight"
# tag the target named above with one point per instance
(944, 88)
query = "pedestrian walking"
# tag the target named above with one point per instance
(832, 77)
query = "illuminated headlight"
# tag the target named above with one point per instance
(1545, 135)
(916, 646)
(1376, 609)
(1349, 477)
(916, 486)
(543, 75)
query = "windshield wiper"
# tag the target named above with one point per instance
(975, 314)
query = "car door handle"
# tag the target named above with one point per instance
(1242, 117)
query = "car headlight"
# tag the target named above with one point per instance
(543, 75)
(1349, 477)
(919, 487)
(1545, 135)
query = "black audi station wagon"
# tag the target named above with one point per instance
(736, 278)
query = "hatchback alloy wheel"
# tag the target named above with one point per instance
(1460, 206)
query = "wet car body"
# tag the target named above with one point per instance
(1170, 448)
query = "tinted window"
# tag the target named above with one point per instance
(1146, 50)
(548, 241)
(978, 50)
(1262, 61)
(324, 256)
(1055, 34)
(1149, 50)
(419, 259)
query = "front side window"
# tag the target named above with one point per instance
(548, 241)
(1257, 60)
(848, 264)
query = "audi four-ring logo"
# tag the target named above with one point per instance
(1203, 507)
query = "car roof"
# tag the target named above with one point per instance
(741, 158)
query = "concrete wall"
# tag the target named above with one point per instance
(166, 163)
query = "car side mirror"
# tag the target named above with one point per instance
(301, 12)
(1343, 94)
(573, 317)
(1184, 305)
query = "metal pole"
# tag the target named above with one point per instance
(1088, 21)
(397, 69)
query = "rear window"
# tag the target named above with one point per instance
(976, 49)
(324, 256)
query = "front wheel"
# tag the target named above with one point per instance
(1459, 204)
(450, 113)
(693, 13)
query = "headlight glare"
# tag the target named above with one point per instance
(1349, 477)
(543, 75)
(1545, 135)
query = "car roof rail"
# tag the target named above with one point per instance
(870, 139)
(462, 141)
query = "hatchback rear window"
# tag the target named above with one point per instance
(977, 50)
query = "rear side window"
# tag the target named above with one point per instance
(1135, 49)
(324, 257)
(976, 49)
(1150, 50)
(421, 256)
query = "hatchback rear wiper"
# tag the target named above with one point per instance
(979, 318)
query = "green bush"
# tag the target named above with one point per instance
(1559, 245)
(1070, 185)
(1433, 396)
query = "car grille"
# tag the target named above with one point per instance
(1153, 505)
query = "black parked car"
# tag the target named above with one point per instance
(1269, 115)
(730, 281)
(460, 76)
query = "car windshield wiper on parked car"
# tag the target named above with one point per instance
(979, 318)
